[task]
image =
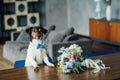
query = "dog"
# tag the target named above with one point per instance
(36, 52)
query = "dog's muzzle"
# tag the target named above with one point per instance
(40, 36)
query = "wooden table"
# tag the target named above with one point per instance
(47, 73)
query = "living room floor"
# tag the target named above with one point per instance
(97, 47)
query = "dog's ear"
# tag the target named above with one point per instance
(28, 30)
(44, 30)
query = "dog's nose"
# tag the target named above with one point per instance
(39, 36)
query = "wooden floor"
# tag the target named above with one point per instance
(4, 64)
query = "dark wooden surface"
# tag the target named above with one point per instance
(47, 73)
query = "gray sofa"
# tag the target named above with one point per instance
(16, 49)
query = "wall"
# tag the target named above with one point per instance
(116, 9)
(81, 11)
(56, 13)
(76, 13)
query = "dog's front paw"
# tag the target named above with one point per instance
(51, 65)
(36, 69)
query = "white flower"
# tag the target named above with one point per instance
(61, 50)
(73, 46)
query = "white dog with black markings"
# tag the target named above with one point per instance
(36, 52)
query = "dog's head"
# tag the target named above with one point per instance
(36, 32)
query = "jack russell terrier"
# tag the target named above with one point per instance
(36, 52)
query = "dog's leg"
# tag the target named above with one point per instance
(47, 62)
(34, 63)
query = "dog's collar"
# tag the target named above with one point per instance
(41, 46)
(38, 44)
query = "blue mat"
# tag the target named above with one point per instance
(21, 63)
(101, 53)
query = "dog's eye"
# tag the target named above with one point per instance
(40, 30)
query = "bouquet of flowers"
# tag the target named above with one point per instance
(71, 59)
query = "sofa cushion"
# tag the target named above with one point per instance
(55, 37)
(23, 37)
(58, 36)
(14, 51)
(72, 37)
(68, 31)
(18, 46)
(49, 29)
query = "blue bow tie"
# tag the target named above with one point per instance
(41, 46)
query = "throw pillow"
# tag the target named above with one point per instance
(58, 36)
(23, 37)
(68, 31)
(72, 37)
(55, 37)
(49, 29)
